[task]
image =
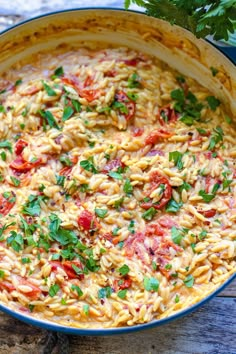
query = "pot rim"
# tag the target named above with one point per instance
(53, 326)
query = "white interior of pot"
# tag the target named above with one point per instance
(123, 29)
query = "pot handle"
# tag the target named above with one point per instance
(229, 51)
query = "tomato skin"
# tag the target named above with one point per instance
(156, 180)
(156, 135)
(137, 131)
(65, 171)
(22, 166)
(86, 220)
(31, 91)
(154, 229)
(169, 113)
(208, 213)
(20, 145)
(126, 284)
(36, 291)
(5, 205)
(89, 95)
(131, 62)
(5, 285)
(67, 267)
(123, 98)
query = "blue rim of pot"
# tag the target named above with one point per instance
(53, 326)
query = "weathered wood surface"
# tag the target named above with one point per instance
(209, 330)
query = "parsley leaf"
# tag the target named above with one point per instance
(213, 102)
(205, 196)
(151, 284)
(49, 90)
(173, 207)
(15, 181)
(67, 113)
(49, 118)
(134, 81)
(189, 281)
(6, 144)
(104, 292)
(128, 188)
(122, 293)
(149, 214)
(178, 234)
(115, 175)
(101, 213)
(124, 270)
(88, 165)
(58, 72)
(176, 156)
(77, 289)
(53, 290)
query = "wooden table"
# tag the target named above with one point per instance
(210, 330)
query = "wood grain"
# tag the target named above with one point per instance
(209, 330)
(229, 291)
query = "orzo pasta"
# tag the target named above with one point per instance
(118, 193)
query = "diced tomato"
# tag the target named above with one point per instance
(5, 285)
(125, 284)
(30, 91)
(166, 114)
(123, 98)
(156, 135)
(137, 131)
(87, 221)
(208, 213)
(20, 165)
(34, 293)
(111, 73)
(167, 222)
(154, 229)
(113, 164)
(20, 145)
(88, 81)
(131, 62)
(108, 236)
(65, 171)
(67, 265)
(6, 204)
(89, 95)
(156, 180)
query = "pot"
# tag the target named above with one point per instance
(175, 46)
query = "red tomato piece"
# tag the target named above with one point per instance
(65, 171)
(154, 230)
(20, 165)
(137, 131)
(5, 285)
(20, 145)
(31, 91)
(156, 180)
(156, 135)
(125, 284)
(123, 98)
(208, 213)
(131, 62)
(166, 114)
(67, 266)
(34, 293)
(87, 221)
(6, 204)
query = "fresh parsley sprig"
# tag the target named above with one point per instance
(201, 17)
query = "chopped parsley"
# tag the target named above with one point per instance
(151, 284)
(49, 90)
(115, 175)
(77, 289)
(128, 188)
(205, 196)
(32, 207)
(60, 180)
(149, 214)
(15, 181)
(101, 213)
(176, 156)
(104, 292)
(122, 293)
(124, 270)
(53, 290)
(49, 119)
(6, 144)
(173, 207)
(216, 137)
(213, 102)
(178, 234)
(189, 281)
(134, 81)
(214, 71)
(88, 165)
(58, 72)
(67, 113)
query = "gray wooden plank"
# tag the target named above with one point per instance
(229, 291)
(210, 330)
